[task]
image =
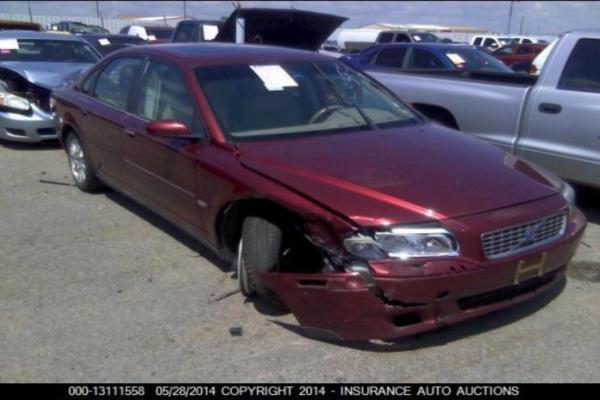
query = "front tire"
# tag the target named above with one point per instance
(259, 251)
(79, 164)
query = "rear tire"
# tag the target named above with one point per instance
(81, 169)
(260, 249)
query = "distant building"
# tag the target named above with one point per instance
(458, 33)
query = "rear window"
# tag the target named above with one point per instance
(391, 57)
(582, 70)
(36, 50)
(385, 37)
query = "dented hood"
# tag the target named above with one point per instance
(48, 75)
(400, 175)
(281, 27)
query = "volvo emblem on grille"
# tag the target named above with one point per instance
(529, 237)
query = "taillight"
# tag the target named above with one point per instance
(532, 69)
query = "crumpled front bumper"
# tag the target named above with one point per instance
(33, 127)
(409, 299)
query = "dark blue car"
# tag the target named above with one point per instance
(426, 56)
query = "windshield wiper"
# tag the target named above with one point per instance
(333, 86)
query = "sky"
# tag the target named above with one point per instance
(539, 17)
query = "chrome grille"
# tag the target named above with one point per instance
(514, 239)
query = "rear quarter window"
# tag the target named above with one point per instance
(582, 70)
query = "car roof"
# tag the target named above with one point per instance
(100, 35)
(196, 54)
(18, 34)
(442, 46)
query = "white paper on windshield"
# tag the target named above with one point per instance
(455, 58)
(104, 42)
(210, 31)
(9, 44)
(151, 37)
(417, 38)
(274, 77)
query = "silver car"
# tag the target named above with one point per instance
(31, 65)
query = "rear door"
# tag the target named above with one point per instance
(102, 113)
(161, 170)
(562, 131)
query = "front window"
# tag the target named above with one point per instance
(475, 60)
(108, 45)
(425, 37)
(297, 98)
(160, 33)
(506, 41)
(41, 50)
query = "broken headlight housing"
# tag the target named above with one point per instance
(404, 243)
(12, 101)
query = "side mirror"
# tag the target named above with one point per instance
(168, 128)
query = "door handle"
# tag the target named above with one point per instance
(129, 132)
(550, 108)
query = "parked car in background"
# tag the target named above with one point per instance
(79, 27)
(538, 62)
(425, 56)
(551, 120)
(106, 44)
(152, 34)
(518, 53)
(32, 64)
(193, 30)
(333, 198)
(6, 25)
(496, 41)
(355, 40)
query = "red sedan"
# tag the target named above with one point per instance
(334, 198)
(518, 53)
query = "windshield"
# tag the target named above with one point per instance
(300, 97)
(506, 41)
(475, 60)
(426, 37)
(160, 33)
(46, 51)
(108, 45)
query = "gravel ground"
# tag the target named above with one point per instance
(96, 288)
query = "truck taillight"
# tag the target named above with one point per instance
(532, 69)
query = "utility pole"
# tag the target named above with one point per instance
(29, 9)
(184, 9)
(509, 16)
(97, 9)
(522, 22)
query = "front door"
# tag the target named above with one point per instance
(561, 130)
(161, 169)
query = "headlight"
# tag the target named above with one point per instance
(567, 192)
(10, 100)
(404, 243)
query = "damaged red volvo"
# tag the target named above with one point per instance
(331, 197)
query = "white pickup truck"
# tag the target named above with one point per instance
(552, 119)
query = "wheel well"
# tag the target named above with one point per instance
(437, 114)
(65, 131)
(299, 254)
(229, 223)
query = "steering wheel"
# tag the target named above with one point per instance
(324, 111)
